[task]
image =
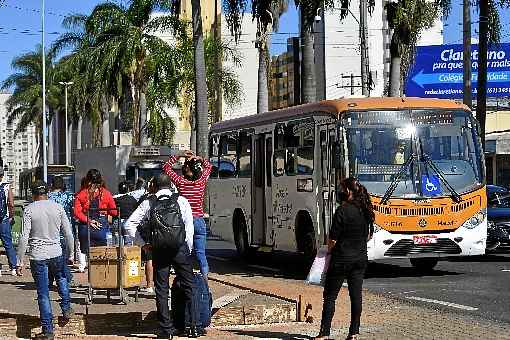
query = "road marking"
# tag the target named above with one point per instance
(218, 258)
(263, 268)
(228, 298)
(443, 303)
(506, 270)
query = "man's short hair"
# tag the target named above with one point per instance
(39, 188)
(58, 183)
(140, 184)
(162, 181)
(123, 187)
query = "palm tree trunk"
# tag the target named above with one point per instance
(262, 93)
(395, 76)
(105, 123)
(144, 138)
(481, 96)
(308, 65)
(200, 80)
(394, 88)
(51, 143)
(79, 133)
(193, 135)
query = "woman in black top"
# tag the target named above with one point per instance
(351, 229)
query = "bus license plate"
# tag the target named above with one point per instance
(425, 239)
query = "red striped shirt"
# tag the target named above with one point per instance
(193, 191)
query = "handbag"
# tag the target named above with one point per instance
(319, 269)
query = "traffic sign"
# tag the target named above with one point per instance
(438, 71)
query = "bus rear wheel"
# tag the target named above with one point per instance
(424, 265)
(305, 237)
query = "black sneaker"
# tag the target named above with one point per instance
(44, 336)
(163, 335)
(68, 314)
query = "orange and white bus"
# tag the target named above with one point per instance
(275, 177)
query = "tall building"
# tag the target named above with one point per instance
(285, 81)
(18, 152)
(214, 23)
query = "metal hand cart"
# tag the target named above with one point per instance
(112, 267)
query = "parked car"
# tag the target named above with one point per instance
(498, 215)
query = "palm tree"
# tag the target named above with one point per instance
(267, 14)
(25, 103)
(408, 19)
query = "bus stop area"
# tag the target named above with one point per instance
(247, 305)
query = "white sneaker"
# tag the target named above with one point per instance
(13, 272)
(147, 290)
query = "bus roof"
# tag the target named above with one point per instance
(335, 107)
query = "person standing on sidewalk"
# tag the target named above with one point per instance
(351, 229)
(43, 221)
(140, 224)
(6, 222)
(60, 196)
(192, 185)
(93, 196)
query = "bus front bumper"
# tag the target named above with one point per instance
(461, 242)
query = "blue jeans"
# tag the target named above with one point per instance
(40, 270)
(97, 237)
(6, 237)
(199, 240)
(67, 271)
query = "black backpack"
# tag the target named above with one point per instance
(166, 227)
(3, 202)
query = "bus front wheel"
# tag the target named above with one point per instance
(241, 236)
(424, 265)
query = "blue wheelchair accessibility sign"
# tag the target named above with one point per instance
(430, 185)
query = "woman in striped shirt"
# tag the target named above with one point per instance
(191, 185)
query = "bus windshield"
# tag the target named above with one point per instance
(432, 151)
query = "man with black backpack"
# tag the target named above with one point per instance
(164, 224)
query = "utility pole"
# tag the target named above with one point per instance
(44, 118)
(481, 96)
(468, 100)
(363, 31)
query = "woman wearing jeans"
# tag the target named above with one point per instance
(93, 196)
(351, 228)
(191, 185)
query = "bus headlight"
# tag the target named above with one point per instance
(475, 221)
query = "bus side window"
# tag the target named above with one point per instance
(280, 152)
(227, 167)
(244, 155)
(300, 141)
(213, 156)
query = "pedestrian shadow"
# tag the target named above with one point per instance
(377, 270)
(270, 335)
(23, 285)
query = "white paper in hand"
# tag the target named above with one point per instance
(319, 267)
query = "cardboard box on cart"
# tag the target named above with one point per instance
(104, 267)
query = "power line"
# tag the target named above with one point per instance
(34, 10)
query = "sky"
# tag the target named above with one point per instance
(20, 26)
(453, 24)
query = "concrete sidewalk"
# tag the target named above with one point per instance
(383, 317)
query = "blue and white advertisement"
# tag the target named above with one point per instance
(438, 71)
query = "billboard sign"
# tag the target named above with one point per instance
(438, 71)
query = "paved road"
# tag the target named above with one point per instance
(478, 286)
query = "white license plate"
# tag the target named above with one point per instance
(425, 239)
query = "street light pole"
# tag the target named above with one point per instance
(44, 118)
(66, 84)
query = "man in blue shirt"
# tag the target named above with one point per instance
(60, 196)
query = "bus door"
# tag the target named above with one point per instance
(327, 138)
(261, 189)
